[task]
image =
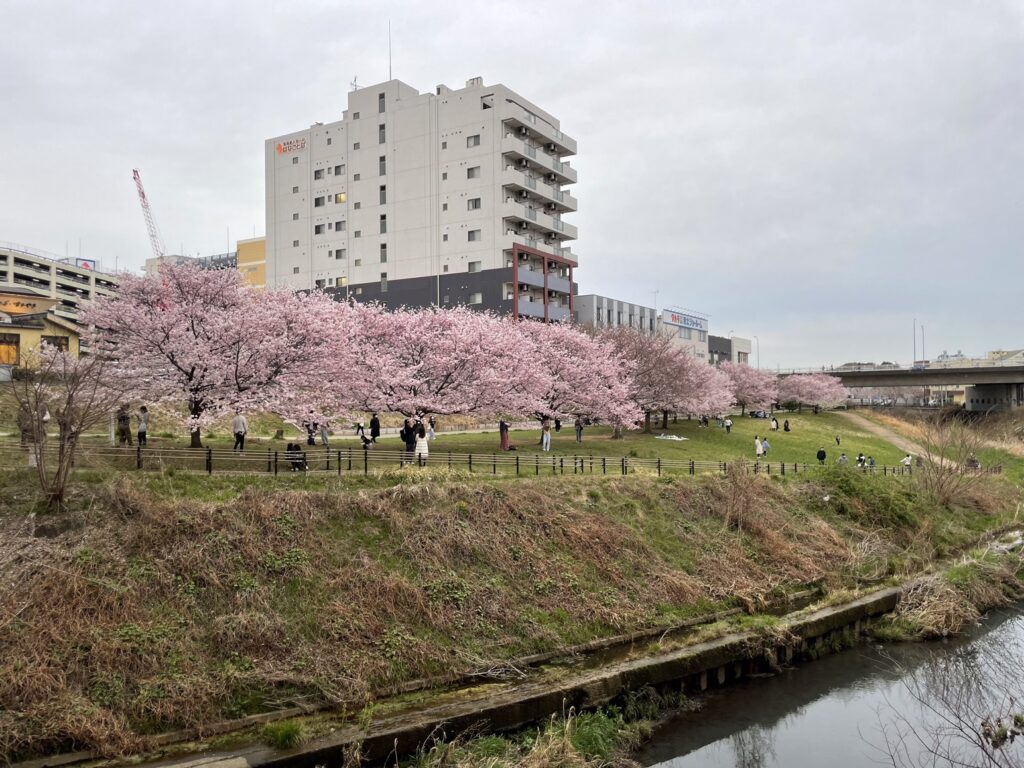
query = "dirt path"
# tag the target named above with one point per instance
(901, 442)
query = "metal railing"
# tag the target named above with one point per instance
(355, 460)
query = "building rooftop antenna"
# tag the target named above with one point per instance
(389, 49)
(354, 85)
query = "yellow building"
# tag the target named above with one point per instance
(252, 261)
(27, 320)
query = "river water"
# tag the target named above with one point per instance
(843, 710)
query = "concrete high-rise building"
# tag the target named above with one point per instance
(447, 198)
(71, 282)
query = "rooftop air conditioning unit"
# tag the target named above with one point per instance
(524, 194)
(550, 206)
(524, 131)
(551, 147)
(524, 163)
(523, 225)
(551, 177)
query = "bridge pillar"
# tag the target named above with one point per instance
(994, 397)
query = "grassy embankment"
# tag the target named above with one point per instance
(167, 601)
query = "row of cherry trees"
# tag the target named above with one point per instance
(201, 340)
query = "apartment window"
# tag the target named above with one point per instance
(295, 270)
(382, 165)
(359, 291)
(383, 194)
(358, 233)
(444, 206)
(473, 204)
(330, 281)
(473, 173)
(383, 224)
(356, 177)
(342, 281)
(295, 190)
(446, 300)
(339, 170)
(318, 174)
(383, 253)
(444, 176)
(318, 229)
(320, 283)
(686, 333)
(445, 269)
(383, 282)
(357, 263)
(355, 115)
(380, 102)
(444, 145)
(295, 243)
(356, 145)
(476, 298)
(341, 197)
(339, 226)
(60, 342)
(328, 141)
(473, 235)
(474, 266)
(357, 206)
(473, 141)
(295, 217)
(382, 133)
(702, 336)
(444, 238)
(340, 253)
(295, 161)
(318, 202)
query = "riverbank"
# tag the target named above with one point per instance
(135, 616)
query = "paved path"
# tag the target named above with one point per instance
(901, 442)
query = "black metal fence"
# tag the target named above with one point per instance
(356, 460)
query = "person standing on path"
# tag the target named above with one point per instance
(758, 448)
(409, 435)
(728, 425)
(124, 426)
(421, 446)
(775, 424)
(143, 425)
(837, 440)
(764, 447)
(579, 429)
(325, 429)
(822, 455)
(545, 434)
(431, 423)
(374, 428)
(503, 433)
(311, 427)
(240, 427)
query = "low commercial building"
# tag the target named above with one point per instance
(249, 259)
(688, 328)
(735, 349)
(26, 321)
(70, 282)
(596, 311)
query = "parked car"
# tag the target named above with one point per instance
(759, 414)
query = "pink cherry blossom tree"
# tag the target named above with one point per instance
(706, 389)
(754, 388)
(201, 339)
(819, 390)
(581, 375)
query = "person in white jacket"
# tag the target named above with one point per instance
(240, 427)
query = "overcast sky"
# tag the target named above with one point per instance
(816, 173)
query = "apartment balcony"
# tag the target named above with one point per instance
(539, 220)
(31, 268)
(528, 156)
(530, 187)
(538, 244)
(527, 276)
(531, 308)
(557, 314)
(560, 284)
(521, 120)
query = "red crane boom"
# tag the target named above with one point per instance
(154, 234)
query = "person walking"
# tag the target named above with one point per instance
(545, 434)
(325, 430)
(421, 446)
(822, 455)
(728, 425)
(374, 428)
(785, 426)
(240, 428)
(310, 426)
(431, 423)
(907, 461)
(862, 460)
(579, 429)
(503, 434)
(837, 439)
(143, 425)
(764, 447)
(758, 448)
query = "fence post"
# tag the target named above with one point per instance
(494, 464)
(339, 462)
(449, 459)
(756, 464)
(517, 466)
(350, 458)
(419, 459)
(624, 465)
(366, 461)
(693, 469)
(209, 461)
(470, 462)
(270, 467)
(591, 463)
(604, 466)
(536, 465)
(782, 466)
(561, 465)
(327, 454)
(574, 462)
(138, 457)
(275, 461)
(554, 467)
(659, 466)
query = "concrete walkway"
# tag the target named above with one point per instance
(901, 442)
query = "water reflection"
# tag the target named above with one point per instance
(844, 707)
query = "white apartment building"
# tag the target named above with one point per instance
(446, 198)
(71, 281)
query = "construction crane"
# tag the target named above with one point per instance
(154, 234)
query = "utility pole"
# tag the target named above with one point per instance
(914, 361)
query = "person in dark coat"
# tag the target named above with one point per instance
(503, 431)
(822, 456)
(374, 428)
(408, 435)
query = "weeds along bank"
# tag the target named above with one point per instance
(145, 609)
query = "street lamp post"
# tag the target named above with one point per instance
(758, 351)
